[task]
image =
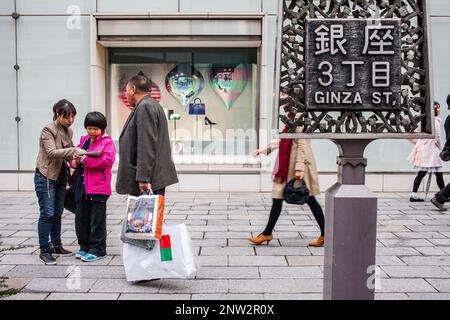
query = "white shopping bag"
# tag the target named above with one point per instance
(172, 257)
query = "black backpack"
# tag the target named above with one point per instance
(295, 195)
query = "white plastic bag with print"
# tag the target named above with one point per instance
(172, 257)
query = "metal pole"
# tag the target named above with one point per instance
(350, 228)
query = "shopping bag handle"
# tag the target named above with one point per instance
(147, 192)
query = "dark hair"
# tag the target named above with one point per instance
(141, 83)
(435, 106)
(65, 108)
(448, 101)
(95, 119)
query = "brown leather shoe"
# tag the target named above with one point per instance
(318, 243)
(260, 239)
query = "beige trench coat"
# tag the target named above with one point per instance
(301, 159)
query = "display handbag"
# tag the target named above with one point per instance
(197, 107)
(295, 195)
(172, 257)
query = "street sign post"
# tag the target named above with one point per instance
(353, 72)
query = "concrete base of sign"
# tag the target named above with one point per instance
(350, 229)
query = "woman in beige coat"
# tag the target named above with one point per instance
(295, 160)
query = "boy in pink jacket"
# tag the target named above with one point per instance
(92, 182)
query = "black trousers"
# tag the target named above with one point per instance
(90, 224)
(421, 174)
(275, 212)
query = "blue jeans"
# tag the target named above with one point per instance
(51, 206)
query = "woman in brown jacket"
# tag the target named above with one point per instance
(295, 160)
(50, 180)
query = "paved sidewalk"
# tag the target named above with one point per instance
(413, 251)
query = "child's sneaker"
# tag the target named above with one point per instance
(80, 254)
(90, 257)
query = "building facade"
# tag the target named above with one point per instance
(222, 52)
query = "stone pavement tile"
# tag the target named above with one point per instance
(82, 296)
(310, 285)
(242, 261)
(305, 260)
(389, 261)
(427, 261)
(16, 283)
(227, 251)
(264, 286)
(298, 296)
(416, 272)
(15, 259)
(291, 272)
(400, 223)
(101, 272)
(8, 233)
(4, 269)
(228, 296)
(38, 271)
(18, 249)
(249, 229)
(59, 285)
(419, 235)
(227, 273)
(407, 243)
(316, 251)
(121, 285)
(430, 251)
(391, 296)
(116, 261)
(71, 261)
(442, 285)
(294, 242)
(386, 235)
(226, 235)
(194, 286)
(154, 296)
(393, 228)
(397, 251)
(428, 229)
(436, 222)
(429, 296)
(27, 296)
(282, 251)
(263, 222)
(14, 241)
(209, 242)
(209, 228)
(440, 242)
(400, 285)
(212, 261)
(228, 222)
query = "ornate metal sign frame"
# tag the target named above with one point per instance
(414, 119)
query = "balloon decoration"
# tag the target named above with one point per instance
(228, 82)
(154, 90)
(184, 83)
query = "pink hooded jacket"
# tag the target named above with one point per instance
(97, 171)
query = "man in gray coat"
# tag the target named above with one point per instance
(145, 156)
